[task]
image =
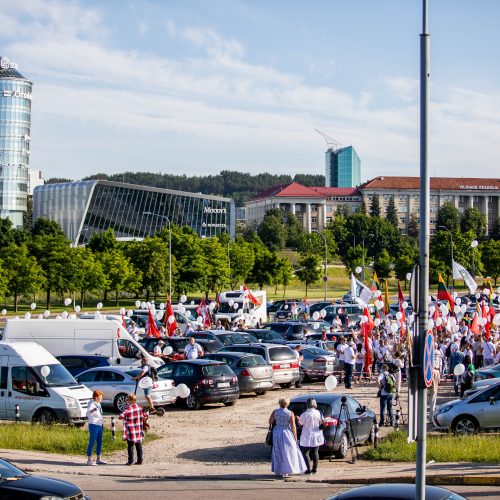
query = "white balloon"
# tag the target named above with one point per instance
(399, 315)
(64, 314)
(78, 309)
(143, 305)
(394, 327)
(483, 321)
(246, 293)
(72, 316)
(33, 306)
(130, 312)
(27, 316)
(377, 293)
(58, 317)
(404, 304)
(183, 298)
(122, 311)
(431, 310)
(182, 391)
(192, 302)
(199, 319)
(67, 302)
(45, 370)
(159, 315)
(137, 304)
(458, 301)
(439, 322)
(212, 305)
(496, 319)
(364, 319)
(162, 306)
(323, 313)
(379, 304)
(40, 316)
(478, 295)
(188, 313)
(331, 382)
(99, 305)
(171, 319)
(474, 243)
(240, 313)
(430, 324)
(358, 269)
(4, 312)
(46, 314)
(231, 302)
(236, 306)
(149, 305)
(486, 291)
(376, 321)
(463, 308)
(459, 369)
(316, 326)
(316, 315)
(456, 309)
(168, 350)
(408, 276)
(145, 382)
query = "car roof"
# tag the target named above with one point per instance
(387, 491)
(121, 369)
(322, 397)
(82, 356)
(233, 354)
(201, 362)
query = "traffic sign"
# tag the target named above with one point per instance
(429, 359)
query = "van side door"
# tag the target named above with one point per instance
(4, 373)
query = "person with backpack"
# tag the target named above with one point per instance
(387, 387)
(147, 371)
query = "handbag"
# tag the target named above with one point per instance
(269, 436)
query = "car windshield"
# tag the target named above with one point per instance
(271, 335)
(57, 376)
(217, 370)
(7, 470)
(133, 373)
(250, 361)
(281, 354)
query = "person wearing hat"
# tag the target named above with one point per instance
(349, 360)
(157, 351)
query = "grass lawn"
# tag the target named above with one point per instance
(442, 448)
(57, 438)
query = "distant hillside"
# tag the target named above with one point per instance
(237, 185)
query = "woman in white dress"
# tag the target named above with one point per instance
(312, 436)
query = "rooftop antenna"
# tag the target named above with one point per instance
(330, 142)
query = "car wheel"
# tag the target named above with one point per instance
(344, 446)
(120, 402)
(230, 403)
(260, 393)
(286, 386)
(44, 416)
(192, 402)
(465, 424)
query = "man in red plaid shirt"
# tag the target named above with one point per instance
(134, 418)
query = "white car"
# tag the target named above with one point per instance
(116, 383)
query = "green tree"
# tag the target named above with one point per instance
(242, 258)
(449, 216)
(495, 229)
(284, 274)
(392, 213)
(265, 266)
(413, 226)
(3, 281)
(490, 257)
(309, 271)
(295, 232)
(383, 264)
(473, 220)
(216, 275)
(24, 274)
(103, 241)
(272, 231)
(375, 206)
(353, 258)
(406, 258)
(46, 227)
(88, 275)
(6, 232)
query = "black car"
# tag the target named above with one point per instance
(388, 491)
(248, 336)
(222, 336)
(336, 430)
(209, 381)
(76, 363)
(278, 304)
(318, 306)
(291, 330)
(266, 335)
(15, 483)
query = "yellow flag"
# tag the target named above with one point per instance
(386, 298)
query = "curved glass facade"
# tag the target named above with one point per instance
(132, 211)
(15, 126)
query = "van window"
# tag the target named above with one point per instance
(58, 376)
(281, 354)
(25, 381)
(3, 377)
(127, 349)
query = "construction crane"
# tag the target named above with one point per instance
(331, 143)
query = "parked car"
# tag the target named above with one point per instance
(223, 336)
(291, 330)
(286, 311)
(318, 306)
(268, 336)
(319, 325)
(465, 416)
(254, 374)
(487, 372)
(278, 304)
(209, 381)
(326, 345)
(15, 483)
(336, 430)
(76, 364)
(248, 336)
(317, 363)
(395, 491)
(480, 385)
(116, 383)
(178, 344)
(280, 357)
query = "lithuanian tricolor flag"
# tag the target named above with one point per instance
(444, 294)
(375, 282)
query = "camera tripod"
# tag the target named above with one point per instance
(344, 408)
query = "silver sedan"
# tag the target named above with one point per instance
(117, 382)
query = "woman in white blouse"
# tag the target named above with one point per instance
(312, 436)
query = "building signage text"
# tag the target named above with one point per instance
(18, 93)
(5, 63)
(205, 224)
(486, 188)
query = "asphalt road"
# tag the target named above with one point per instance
(124, 488)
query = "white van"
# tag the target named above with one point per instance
(99, 337)
(245, 309)
(44, 390)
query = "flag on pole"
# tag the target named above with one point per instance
(169, 319)
(250, 296)
(444, 294)
(375, 282)
(151, 328)
(202, 311)
(386, 299)
(474, 327)
(361, 293)
(460, 273)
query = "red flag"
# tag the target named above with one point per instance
(402, 323)
(437, 314)
(202, 311)
(401, 297)
(169, 319)
(474, 327)
(151, 328)
(370, 322)
(368, 360)
(250, 296)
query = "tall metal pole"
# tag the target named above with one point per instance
(424, 253)
(229, 263)
(325, 276)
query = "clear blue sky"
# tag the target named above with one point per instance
(199, 86)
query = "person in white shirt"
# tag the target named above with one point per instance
(96, 421)
(219, 325)
(349, 360)
(193, 350)
(157, 350)
(488, 352)
(312, 436)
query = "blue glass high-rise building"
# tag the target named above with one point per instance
(15, 126)
(343, 168)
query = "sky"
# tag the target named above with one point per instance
(198, 86)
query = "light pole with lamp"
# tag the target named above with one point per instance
(363, 256)
(473, 245)
(169, 250)
(452, 260)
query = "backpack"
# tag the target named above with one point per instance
(153, 373)
(448, 350)
(389, 384)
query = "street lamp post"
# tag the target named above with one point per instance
(452, 260)
(473, 245)
(169, 250)
(229, 262)
(363, 256)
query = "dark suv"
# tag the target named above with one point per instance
(209, 381)
(76, 363)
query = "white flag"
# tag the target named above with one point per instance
(460, 273)
(361, 293)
